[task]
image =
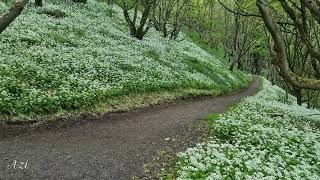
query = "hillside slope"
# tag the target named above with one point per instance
(67, 56)
(264, 137)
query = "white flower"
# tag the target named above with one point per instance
(259, 145)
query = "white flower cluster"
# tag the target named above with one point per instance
(67, 56)
(262, 138)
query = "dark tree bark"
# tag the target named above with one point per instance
(38, 2)
(161, 15)
(110, 2)
(9, 16)
(80, 1)
(297, 92)
(314, 8)
(138, 31)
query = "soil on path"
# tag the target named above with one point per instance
(112, 146)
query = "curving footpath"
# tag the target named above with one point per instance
(112, 146)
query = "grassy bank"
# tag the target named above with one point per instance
(267, 136)
(66, 57)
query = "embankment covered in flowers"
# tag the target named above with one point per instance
(67, 56)
(267, 136)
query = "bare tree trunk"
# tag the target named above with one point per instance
(80, 1)
(234, 62)
(39, 2)
(298, 95)
(141, 30)
(110, 2)
(235, 41)
(8, 17)
(314, 8)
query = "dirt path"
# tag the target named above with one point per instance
(114, 146)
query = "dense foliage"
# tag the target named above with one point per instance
(67, 56)
(238, 27)
(267, 136)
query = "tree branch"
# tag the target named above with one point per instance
(281, 55)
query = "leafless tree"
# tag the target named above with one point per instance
(137, 31)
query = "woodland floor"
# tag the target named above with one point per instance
(139, 143)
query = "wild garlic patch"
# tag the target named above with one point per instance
(262, 137)
(83, 56)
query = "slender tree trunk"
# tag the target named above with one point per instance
(299, 97)
(110, 2)
(257, 65)
(235, 41)
(8, 17)
(240, 64)
(314, 8)
(80, 1)
(233, 64)
(39, 2)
